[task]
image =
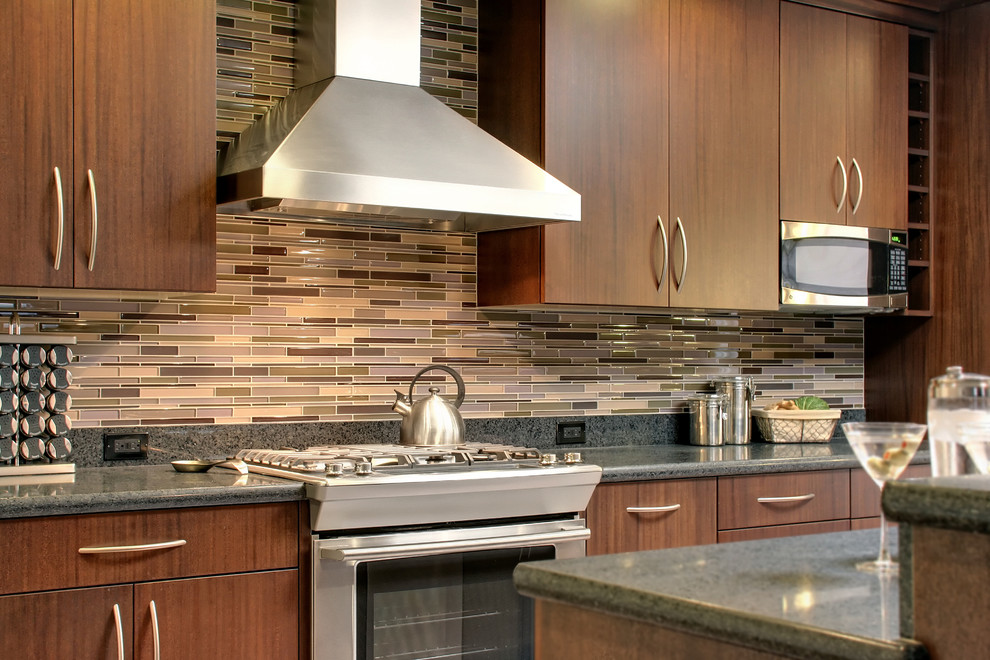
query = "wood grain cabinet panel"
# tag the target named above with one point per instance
(864, 496)
(218, 540)
(780, 531)
(119, 96)
(843, 118)
(663, 116)
(252, 615)
(780, 499)
(73, 623)
(650, 515)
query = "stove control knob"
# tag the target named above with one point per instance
(362, 469)
(548, 459)
(572, 457)
(334, 470)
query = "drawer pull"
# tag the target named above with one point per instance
(120, 631)
(653, 509)
(154, 631)
(789, 498)
(111, 549)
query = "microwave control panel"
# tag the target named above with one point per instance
(898, 270)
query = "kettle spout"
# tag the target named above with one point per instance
(401, 404)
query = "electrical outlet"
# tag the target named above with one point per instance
(570, 433)
(125, 446)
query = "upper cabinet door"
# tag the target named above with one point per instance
(36, 142)
(145, 145)
(877, 102)
(843, 118)
(813, 161)
(723, 154)
(606, 137)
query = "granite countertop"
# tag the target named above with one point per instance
(959, 503)
(801, 595)
(670, 461)
(100, 490)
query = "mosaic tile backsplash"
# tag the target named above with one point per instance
(317, 322)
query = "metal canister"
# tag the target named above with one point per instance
(739, 393)
(707, 412)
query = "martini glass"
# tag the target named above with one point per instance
(884, 449)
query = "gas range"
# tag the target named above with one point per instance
(373, 486)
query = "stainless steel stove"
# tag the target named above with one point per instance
(413, 547)
(363, 486)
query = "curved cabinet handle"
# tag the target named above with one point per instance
(845, 185)
(61, 218)
(684, 251)
(144, 547)
(95, 218)
(154, 631)
(120, 631)
(663, 238)
(653, 509)
(859, 197)
(790, 498)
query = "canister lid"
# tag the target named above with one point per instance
(955, 384)
(707, 400)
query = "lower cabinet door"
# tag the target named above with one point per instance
(650, 515)
(74, 623)
(250, 615)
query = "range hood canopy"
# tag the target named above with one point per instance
(358, 141)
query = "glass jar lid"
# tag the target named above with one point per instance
(955, 384)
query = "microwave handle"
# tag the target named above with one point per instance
(446, 547)
(845, 185)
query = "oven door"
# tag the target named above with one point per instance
(443, 593)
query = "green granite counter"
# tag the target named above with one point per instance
(100, 490)
(670, 461)
(798, 597)
(961, 503)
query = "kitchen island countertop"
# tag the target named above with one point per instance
(800, 596)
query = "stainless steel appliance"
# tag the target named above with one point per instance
(359, 141)
(842, 269)
(413, 547)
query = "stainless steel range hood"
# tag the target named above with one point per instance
(358, 141)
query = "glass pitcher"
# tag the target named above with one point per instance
(955, 398)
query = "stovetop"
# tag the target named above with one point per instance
(364, 486)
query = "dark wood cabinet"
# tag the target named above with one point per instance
(843, 118)
(107, 176)
(664, 117)
(650, 515)
(73, 623)
(232, 589)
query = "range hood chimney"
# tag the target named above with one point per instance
(358, 141)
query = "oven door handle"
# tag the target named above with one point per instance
(446, 547)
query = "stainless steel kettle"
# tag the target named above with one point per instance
(433, 421)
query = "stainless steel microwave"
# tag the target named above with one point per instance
(842, 269)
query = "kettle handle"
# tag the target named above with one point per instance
(457, 378)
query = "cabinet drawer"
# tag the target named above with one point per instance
(43, 553)
(779, 531)
(782, 499)
(864, 496)
(650, 515)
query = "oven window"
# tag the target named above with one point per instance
(445, 606)
(834, 266)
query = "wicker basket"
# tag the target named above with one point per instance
(797, 425)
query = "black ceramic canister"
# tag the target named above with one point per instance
(32, 402)
(59, 378)
(59, 356)
(33, 356)
(58, 402)
(8, 355)
(8, 378)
